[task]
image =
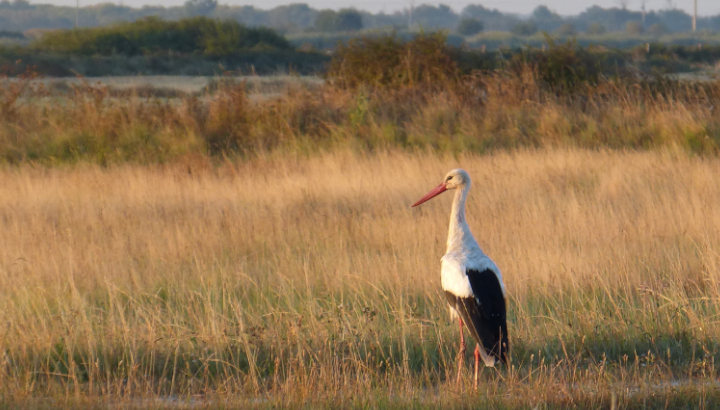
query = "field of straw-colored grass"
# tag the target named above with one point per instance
(287, 281)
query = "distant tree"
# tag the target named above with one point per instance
(543, 13)
(634, 27)
(287, 18)
(491, 19)
(565, 30)
(477, 11)
(714, 23)
(469, 27)
(200, 7)
(596, 29)
(545, 19)
(16, 5)
(326, 20)
(348, 20)
(23, 15)
(675, 20)
(657, 29)
(430, 17)
(526, 28)
(397, 20)
(613, 19)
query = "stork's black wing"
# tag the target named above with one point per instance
(485, 314)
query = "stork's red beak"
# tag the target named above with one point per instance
(435, 192)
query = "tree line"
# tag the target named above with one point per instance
(21, 16)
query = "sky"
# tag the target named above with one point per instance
(523, 7)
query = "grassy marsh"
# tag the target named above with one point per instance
(286, 280)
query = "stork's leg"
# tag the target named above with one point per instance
(477, 365)
(461, 353)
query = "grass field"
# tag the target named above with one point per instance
(286, 281)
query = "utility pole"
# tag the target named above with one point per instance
(410, 22)
(695, 17)
(643, 13)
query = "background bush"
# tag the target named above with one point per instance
(391, 62)
(470, 26)
(199, 35)
(343, 20)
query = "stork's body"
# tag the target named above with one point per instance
(472, 282)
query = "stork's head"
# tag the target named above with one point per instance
(457, 178)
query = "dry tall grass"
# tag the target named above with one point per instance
(480, 113)
(285, 281)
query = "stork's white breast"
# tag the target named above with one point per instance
(453, 274)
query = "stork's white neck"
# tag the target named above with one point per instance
(459, 236)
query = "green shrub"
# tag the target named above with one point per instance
(526, 28)
(565, 30)
(390, 62)
(562, 67)
(596, 29)
(326, 20)
(470, 27)
(349, 20)
(634, 27)
(657, 29)
(343, 20)
(199, 35)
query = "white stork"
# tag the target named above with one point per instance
(472, 282)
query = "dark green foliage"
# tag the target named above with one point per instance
(16, 61)
(11, 34)
(385, 61)
(563, 67)
(657, 29)
(150, 36)
(391, 62)
(343, 20)
(430, 17)
(634, 27)
(493, 41)
(469, 26)
(349, 20)
(526, 28)
(15, 5)
(547, 20)
(326, 20)
(494, 20)
(19, 15)
(200, 7)
(596, 29)
(567, 29)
